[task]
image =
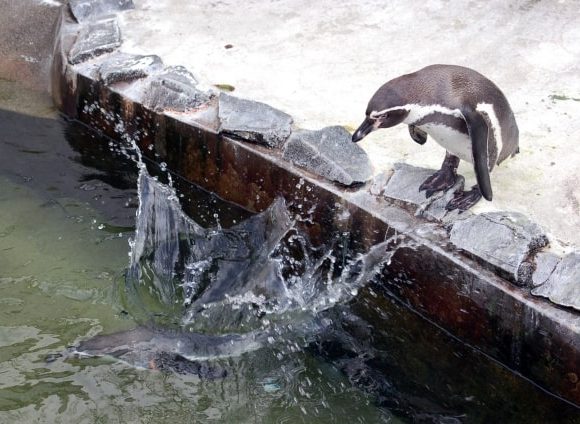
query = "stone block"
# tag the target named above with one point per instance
(435, 209)
(253, 121)
(175, 89)
(403, 188)
(84, 10)
(125, 67)
(504, 240)
(379, 183)
(545, 264)
(563, 285)
(329, 153)
(94, 40)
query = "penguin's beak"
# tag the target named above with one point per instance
(366, 127)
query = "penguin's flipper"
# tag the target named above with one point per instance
(418, 135)
(479, 135)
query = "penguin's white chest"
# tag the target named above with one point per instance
(453, 141)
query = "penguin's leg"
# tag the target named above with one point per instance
(443, 179)
(463, 200)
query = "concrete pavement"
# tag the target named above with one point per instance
(321, 62)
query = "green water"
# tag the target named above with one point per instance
(57, 274)
(66, 215)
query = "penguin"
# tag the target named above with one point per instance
(462, 110)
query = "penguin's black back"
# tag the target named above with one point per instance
(453, 87)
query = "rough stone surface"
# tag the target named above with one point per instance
(94, 40)
(253, 121)
(329, 153)
(502, 239)
(403, 188)
(545, 265)
(124, 67)
(379, 183)
(436, 207)
(404, 185)
(84, 10)
(563, 286)
(175, 89)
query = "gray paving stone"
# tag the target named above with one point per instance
(125, 67)
(84, 10)
(404, 184)
(95, 39)
(436, 207)
(403, 188)
(175, 89)
(253, 121)
(503, 239)
(330, 153)
(545, 265)
(379, 183)
(563, 285)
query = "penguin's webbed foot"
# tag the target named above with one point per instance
(463, 200)
(443, 179)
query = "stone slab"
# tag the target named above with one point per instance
(330, 153)
(94, 40)
(435, 209)
(379, 183)
(175, 89)
(403, 188)
(125, 67)
(545, 265)
(253, 121)
(84, 10)
(404, 185)
(503, 239)
(563, 285)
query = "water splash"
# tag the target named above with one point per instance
(259, 275)
(255, 282)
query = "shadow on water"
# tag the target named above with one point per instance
(250, 319)
(32, 152)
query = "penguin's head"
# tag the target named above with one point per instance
(386, 109)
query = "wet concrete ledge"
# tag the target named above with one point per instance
(477, 288)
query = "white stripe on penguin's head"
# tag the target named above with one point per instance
(417, 112)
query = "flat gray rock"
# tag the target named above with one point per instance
(545, 265)
(125, 67)
(175, 89)
(94, 40)
(403, 188)
(329, 153)
(404, 184)
(84, 10)
(563, 286)
(253, 121)
(379, 183)
(436, 207)
(503, 239)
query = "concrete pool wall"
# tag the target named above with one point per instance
(477, 288)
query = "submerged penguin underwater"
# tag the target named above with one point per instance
(463, 111)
